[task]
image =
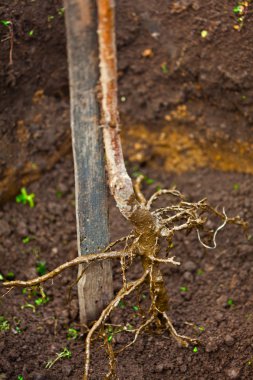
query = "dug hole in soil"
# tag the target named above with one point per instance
(174, 85)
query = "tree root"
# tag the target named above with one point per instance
(150, 227)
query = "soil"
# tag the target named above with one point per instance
(197, 90)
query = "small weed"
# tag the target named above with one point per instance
(1, 277)
(240, 11)
(72, 334)
(41, 268)
(20, 377)
(183, 289)
(41, 301)
(25, 198)
(17, 330)
(164, 68)
(31, 33)
(26, 240)
(10, 276)
(230, 302)
(201, 328)
(4, 324)
(195, 349)
(64, 354)
(6, 23)
(136, 308)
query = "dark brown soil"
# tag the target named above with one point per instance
(203, 87)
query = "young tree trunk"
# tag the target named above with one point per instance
(95, 286)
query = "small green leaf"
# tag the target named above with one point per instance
(1, 277)
(201, 328)
(10, 276)
(41, 301)
(4, 324)
(135, 308)
(41, 268)
(230, 302)
(238, 9)
(110, 337)
(26, 240)
(195, 349)
(5, 22)
(72, 333)
(50, 18)
(31, 33)
(183, 289)
(20, 377)
(149, 181)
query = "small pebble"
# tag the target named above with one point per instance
(159, 368)
(229, 340)
(233, 373)
(211, 346)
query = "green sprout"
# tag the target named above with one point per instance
(41, 301)
(18, 330)
(135, 308)
(10, 276)
(64, 354)
(25, 198)
(41, 268)
(238, 9)
(230, 302)
(72, 334)
(164, 68)
(31, 33)
(1, 277)
(195, 349)
(20, 377)
(201, 328)
(6, 23)
(4, 324)
(183, 289)
(26, 240)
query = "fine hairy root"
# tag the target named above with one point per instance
(150, 228)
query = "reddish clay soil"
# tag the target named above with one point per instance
(200, 87)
